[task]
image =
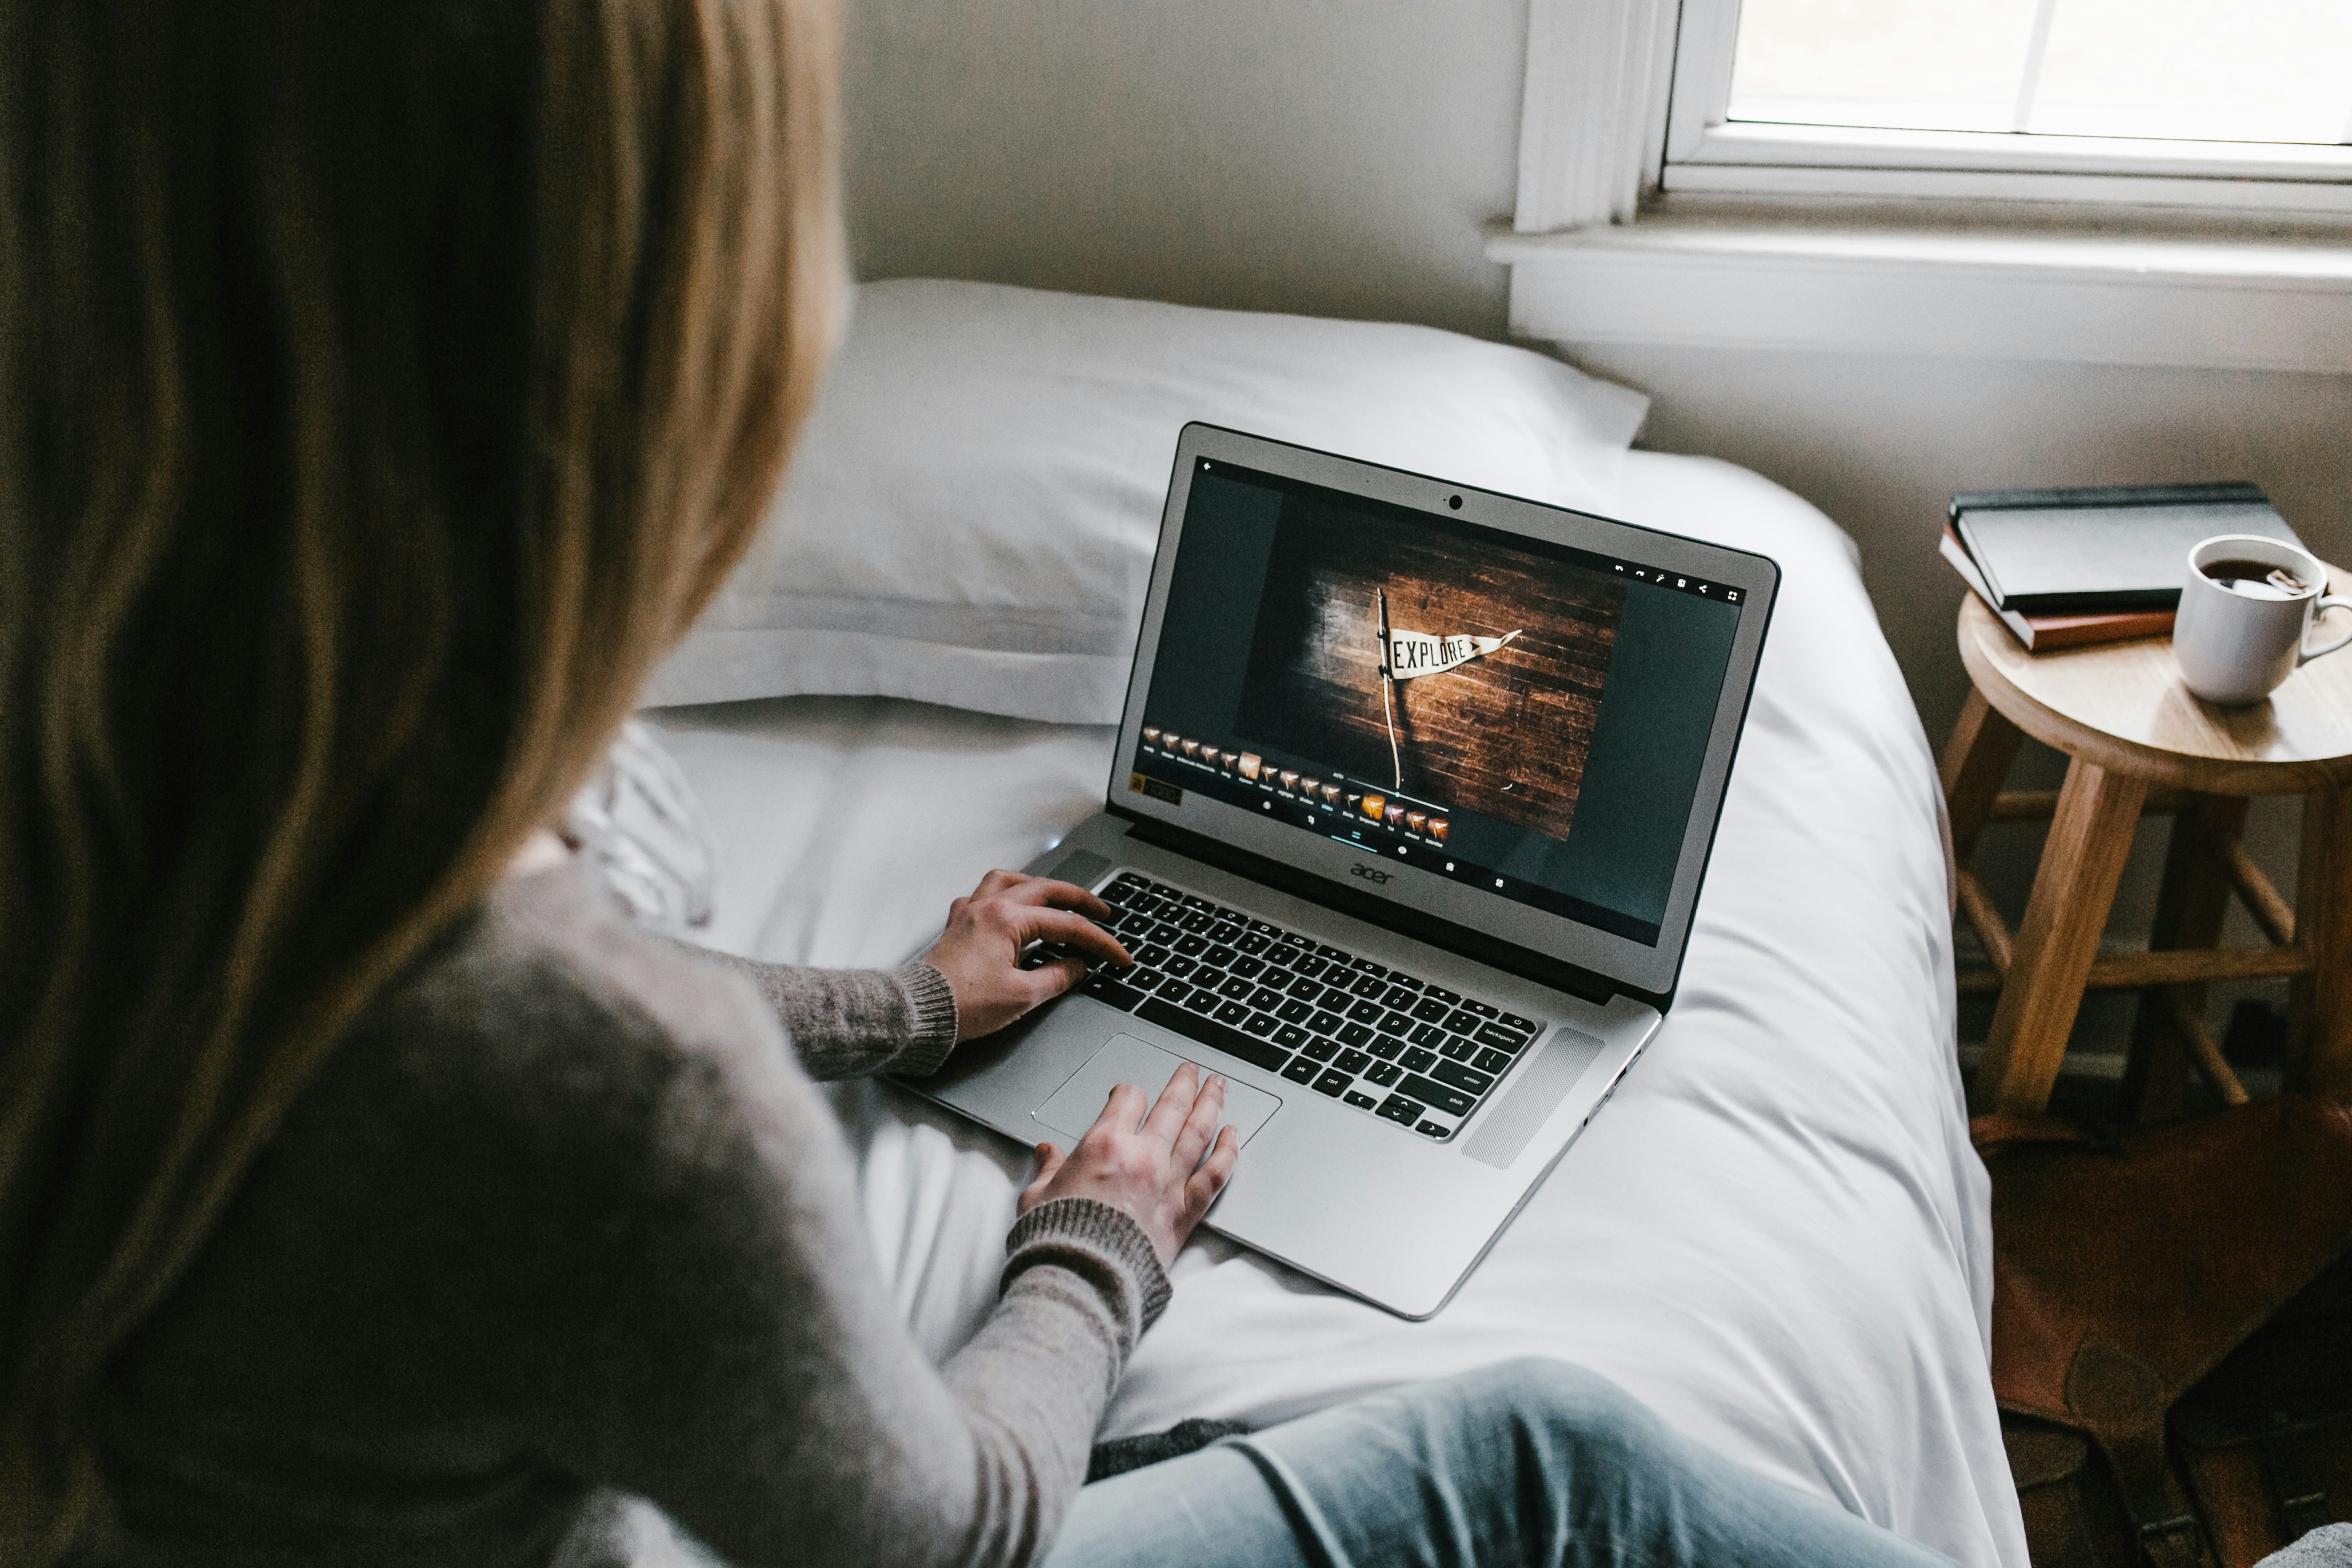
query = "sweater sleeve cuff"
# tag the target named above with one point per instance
(931, 1006)
(1102, 1245)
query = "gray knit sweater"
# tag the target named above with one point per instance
(564, 1219)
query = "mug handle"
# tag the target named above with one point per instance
(2333, 601)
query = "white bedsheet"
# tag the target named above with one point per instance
(1777, 1233)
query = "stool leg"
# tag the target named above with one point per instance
(1976, 760)
(2090, 839)
(2320, 1015)
(2189, 906)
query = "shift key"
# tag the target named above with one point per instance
(1103, 988)
(1452, 1102)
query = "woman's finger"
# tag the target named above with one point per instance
(1070, 896)
(1200, 1124)
(1201, 1189)
(1050, 1160)
(997, 883)
(1176, 1101)
(1064, 926)
(1045, 891)
(1121, 1112)
(1018, 888)
(1048, 981)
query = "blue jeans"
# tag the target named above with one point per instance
(1530, 1462)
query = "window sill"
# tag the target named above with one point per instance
(2279, 300)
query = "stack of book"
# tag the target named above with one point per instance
(2063, 568)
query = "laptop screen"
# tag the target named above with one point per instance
(1506, 712)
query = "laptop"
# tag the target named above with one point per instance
(1411, 807)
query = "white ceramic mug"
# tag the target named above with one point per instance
(2235, 644)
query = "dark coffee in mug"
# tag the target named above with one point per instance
(2254, 579)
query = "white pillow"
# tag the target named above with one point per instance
(971, 513)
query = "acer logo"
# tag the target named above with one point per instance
(1369, 873)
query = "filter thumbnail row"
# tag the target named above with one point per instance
(1334, 796)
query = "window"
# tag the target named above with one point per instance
(2216, 103)
(2256, 70)
(2097, 181)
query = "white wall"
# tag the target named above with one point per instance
(1335, 157)
(1340, 157)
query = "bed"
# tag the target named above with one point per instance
(1777, 1234)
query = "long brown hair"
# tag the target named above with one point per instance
(383, 385)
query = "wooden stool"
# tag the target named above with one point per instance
(2139, 741)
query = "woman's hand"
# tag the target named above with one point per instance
(1154, 1171)
(979, 955)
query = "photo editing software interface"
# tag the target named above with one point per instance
(1512, 714)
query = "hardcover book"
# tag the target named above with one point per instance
(2039, 634)
(2095, 551)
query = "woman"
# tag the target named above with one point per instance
(383, 387)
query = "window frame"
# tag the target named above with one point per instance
(1706, 152)
(1668, 63)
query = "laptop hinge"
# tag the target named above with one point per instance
(1476, 946)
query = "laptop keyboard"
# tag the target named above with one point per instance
(1388, 1044)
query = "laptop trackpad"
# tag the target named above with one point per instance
(1075, 1105)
